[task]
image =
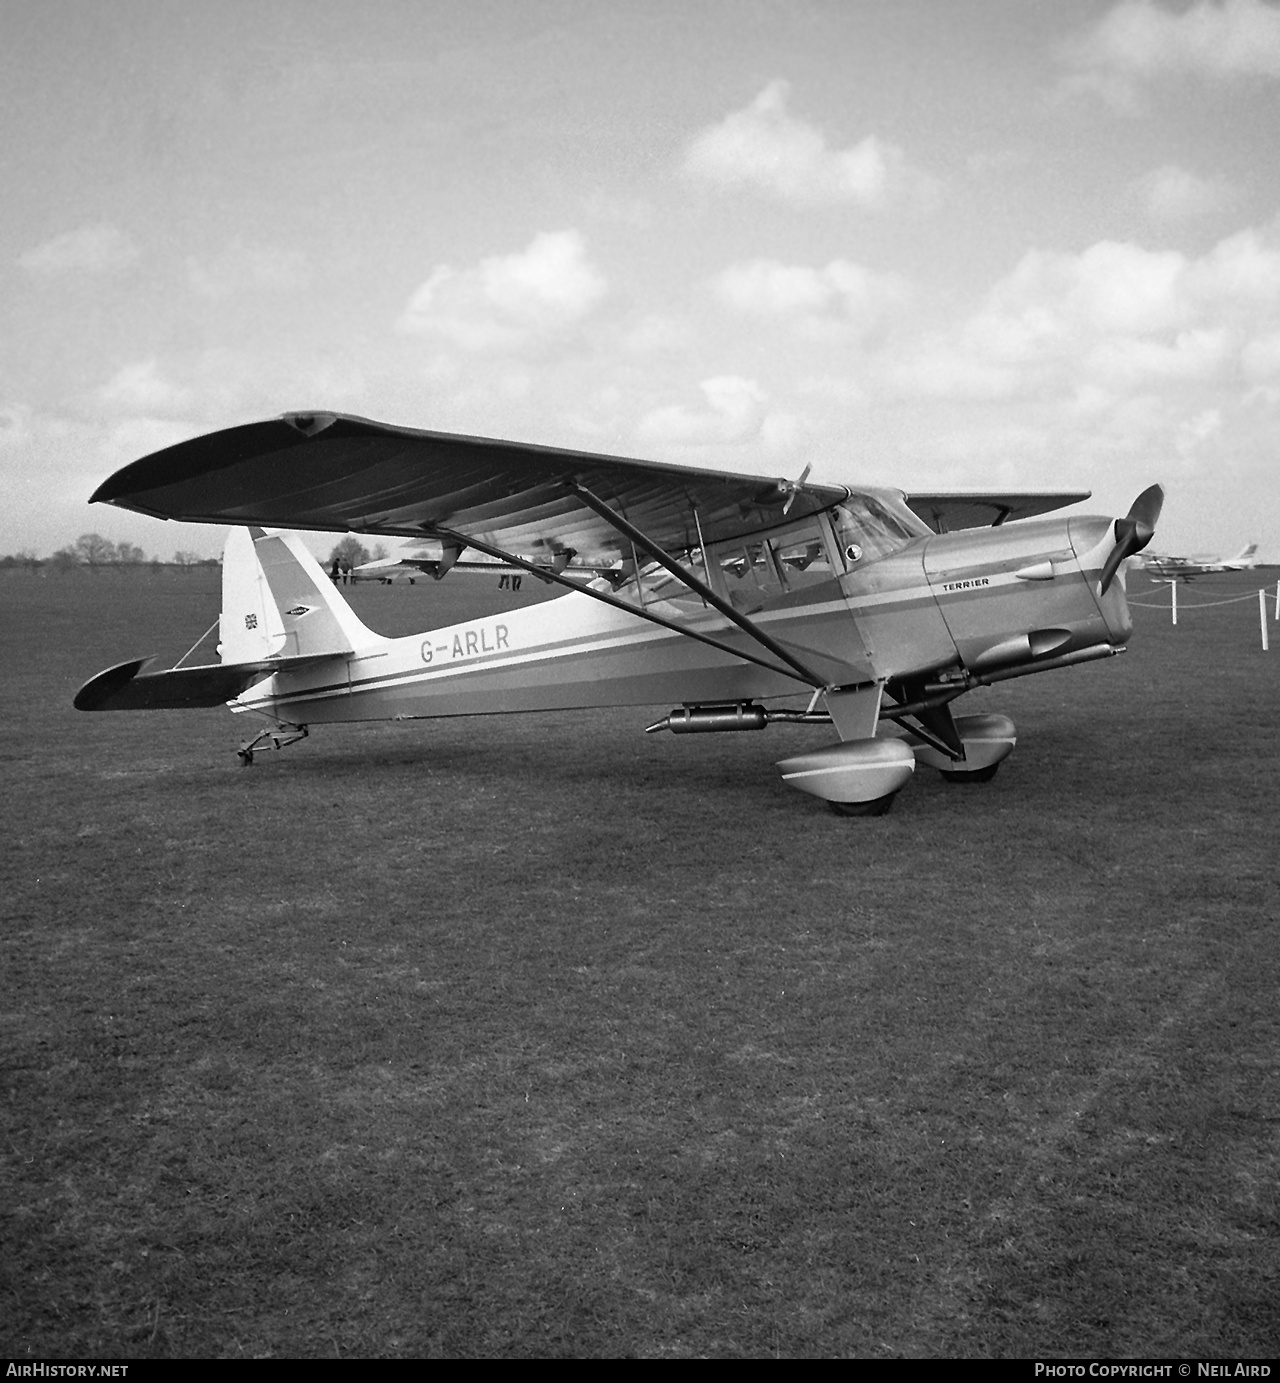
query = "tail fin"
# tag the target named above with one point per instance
(249, 627)
(276, 602)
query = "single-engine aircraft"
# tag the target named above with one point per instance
(722, 593)
(1162, 567)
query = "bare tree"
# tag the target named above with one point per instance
(130, 554)
(95, 550)
(350, 549)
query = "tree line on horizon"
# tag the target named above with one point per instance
(94, 551)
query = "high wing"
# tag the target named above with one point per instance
(946, 513)
(346, 474)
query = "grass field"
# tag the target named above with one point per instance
(543, 1037)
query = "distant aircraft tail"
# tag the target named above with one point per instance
(278, 603)
(1249, 556)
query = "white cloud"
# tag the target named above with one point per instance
(509, 302)
(1110, 287)
(1195, 430)
(253, 268)
(15, 424)
(734, 410)
(1126, 361)
(130, 438)
(634, 211)
(941, 368)
(765, 148)
(139, 389)
(1141, 40)
(1116, 316)
(1261, 358)
(1171, 193)
(841, 297)
(97, 249)
(656, 333)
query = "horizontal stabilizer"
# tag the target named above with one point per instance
(126, 687)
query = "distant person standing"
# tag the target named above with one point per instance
(346, 570)
(334, 571)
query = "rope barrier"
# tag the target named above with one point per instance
(1197, 605)
(1172, 607)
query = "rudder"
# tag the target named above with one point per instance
(275, 592)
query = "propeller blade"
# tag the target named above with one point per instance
(1133, 532)
(794, 487)
(1146, 508)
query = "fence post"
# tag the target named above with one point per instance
(1262, 618)
(1173, 586)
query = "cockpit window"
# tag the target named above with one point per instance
(803, 559)
(764, 569)
(869, 526)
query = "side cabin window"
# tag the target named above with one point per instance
(759, 570)
(654, 584)
(868, 526)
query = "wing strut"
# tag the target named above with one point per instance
(701, 588)
(547, 574)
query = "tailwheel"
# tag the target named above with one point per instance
(274, 737)
(881, 806)
(976, 775)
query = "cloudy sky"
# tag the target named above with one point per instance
(933, 243)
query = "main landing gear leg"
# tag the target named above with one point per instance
(988, 741)
(276, 737)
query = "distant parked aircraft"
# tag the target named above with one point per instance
(432, 558)
(1165, 568)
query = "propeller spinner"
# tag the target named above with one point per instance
(1133, 532)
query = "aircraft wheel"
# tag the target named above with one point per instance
(246, 757)
(880, 807)
(977, 775)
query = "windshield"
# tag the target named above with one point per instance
(873, 525)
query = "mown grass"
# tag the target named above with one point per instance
(545, 1037)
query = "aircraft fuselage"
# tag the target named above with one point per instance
(974, 601)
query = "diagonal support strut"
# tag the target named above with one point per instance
(640, 612)
(629, 530)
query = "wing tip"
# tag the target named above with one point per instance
(99, 692)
